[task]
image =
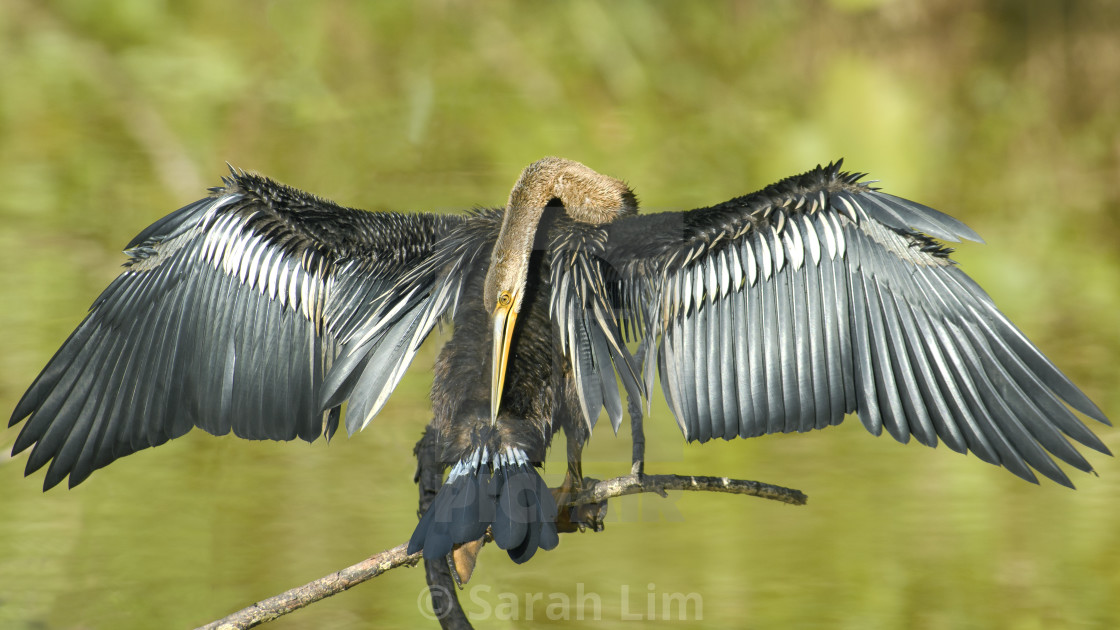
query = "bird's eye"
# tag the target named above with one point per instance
(504, 298)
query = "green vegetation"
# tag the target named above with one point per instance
(1002, 113)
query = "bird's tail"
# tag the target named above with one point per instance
(503, 492)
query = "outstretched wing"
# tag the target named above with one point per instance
(228, 316)
(786, 309)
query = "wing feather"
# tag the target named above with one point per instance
(772, 360)
(727, 369)
(756, 423)
(787, 361)
(697, 353)
(585, 305)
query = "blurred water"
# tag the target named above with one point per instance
(1000, 113)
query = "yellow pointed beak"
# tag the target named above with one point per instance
(502, 322)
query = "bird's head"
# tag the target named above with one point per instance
(503, 294)
(587, 196)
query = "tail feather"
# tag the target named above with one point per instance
(506, 494)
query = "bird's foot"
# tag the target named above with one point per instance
(462, 560)
(578, 517)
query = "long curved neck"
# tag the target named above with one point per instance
(588, 197)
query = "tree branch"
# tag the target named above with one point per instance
(636, 484)
(296, 598)
(374, 566)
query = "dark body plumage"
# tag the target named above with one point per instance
(263, 309)
(461, 410)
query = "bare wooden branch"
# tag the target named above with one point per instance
(334, 583)
(297, 598)
(635, 484)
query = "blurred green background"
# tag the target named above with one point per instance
(1003, 113)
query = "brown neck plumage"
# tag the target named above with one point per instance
(588, 197)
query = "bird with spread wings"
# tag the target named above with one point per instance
(264, 310)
